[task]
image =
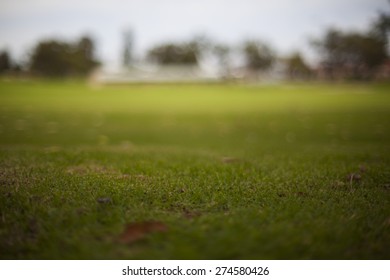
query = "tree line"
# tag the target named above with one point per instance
(355, 55)
(55, 58)
(343, 54)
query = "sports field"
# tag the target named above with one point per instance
(289, 171)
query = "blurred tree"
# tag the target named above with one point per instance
(58, 59)
(51, 58)
(381, 29)
(127, 48)
(171, 53)
(351, 54)
(200, 44)
(297, 67)
(84, 56)
(5, 62)
(86, 48)
(258, 55)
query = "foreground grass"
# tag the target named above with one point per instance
(232, 172)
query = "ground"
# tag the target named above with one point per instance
(288, 171)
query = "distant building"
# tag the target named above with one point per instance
(155, 74)
(276, 73)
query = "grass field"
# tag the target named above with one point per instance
(194, 171)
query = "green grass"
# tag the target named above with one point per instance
(233, 171)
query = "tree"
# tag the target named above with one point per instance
(59, 59)
(355, 55)
(381, 29)
(84, 56)
(85, 47)
(5, 62)
(51, 58)
(171, 53)
(258, 55)
(297, 67)
(351, 54)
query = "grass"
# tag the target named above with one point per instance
(298, 171)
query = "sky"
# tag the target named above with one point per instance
(287, 25)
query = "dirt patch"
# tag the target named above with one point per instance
(137, 231)
(15, 177)
(229, 160)
(88, 169)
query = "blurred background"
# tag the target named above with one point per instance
(172, 40)
(223, 121)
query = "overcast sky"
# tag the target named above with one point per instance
(285, 24)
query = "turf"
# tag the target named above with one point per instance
(289, 171)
